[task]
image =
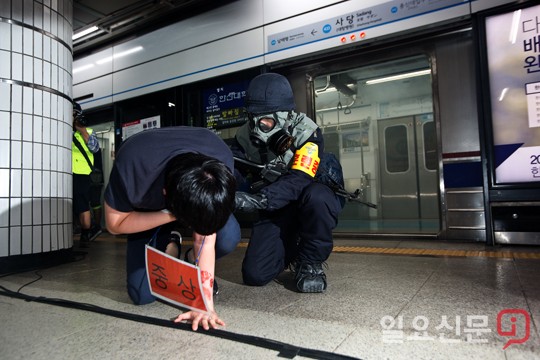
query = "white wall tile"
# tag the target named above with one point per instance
(38, 101)
(16, 98)
(46, 211)
(46, 104)
(54, 132)
(37, 183)
(46, 158)
(54, 106)
(37, 162)
(28, 69)
(5, 125)
(47, 48)
(5, 36)
(4, 182)
(38, 129)
(36, 239)
(27, 183)
(26, 240)
(28, 42)
(46, 130)
(68, 229)
(38, 45)
(54, 76)
(46, 18)
(16, 38)
(27, 125)
(38, 71)
(54, 237)
(28, 156)
(4, 245)
(46, 231)
(54, 211)
(15, 211)
(26, 216)
(54, 185)
(5, 63)
(28, 12)
(36, 211)
(15, 240)
(4, 213)
(15, 183)
(46, 187)
(54, 51)
(5, 95)
(16, 154)
(16, 66)
(28, 100)
(46, 74)
(38, 15)
(5, 153)
(16, 126)
(54, 159)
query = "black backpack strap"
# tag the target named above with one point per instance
(78, 144)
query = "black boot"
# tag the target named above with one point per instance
(310, 277)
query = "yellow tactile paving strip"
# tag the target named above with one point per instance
(504, 254)
(437, 252)
(429, 252)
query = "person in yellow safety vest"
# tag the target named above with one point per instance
(84, 144)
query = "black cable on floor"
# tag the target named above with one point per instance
(284, 349)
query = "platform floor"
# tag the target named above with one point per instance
(386, 299)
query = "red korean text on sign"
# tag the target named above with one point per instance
(174, 281)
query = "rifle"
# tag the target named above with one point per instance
(271, 172)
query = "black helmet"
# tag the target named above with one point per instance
(77, 108)
(78, 114)
(268, 93)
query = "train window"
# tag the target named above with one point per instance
(396, 147)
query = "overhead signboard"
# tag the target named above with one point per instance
(513, 56)
(358, 20)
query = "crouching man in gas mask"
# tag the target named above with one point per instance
(297, 213)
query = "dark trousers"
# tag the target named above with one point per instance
(302, 231)
(137, 280)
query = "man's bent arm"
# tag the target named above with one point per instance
(132, 222)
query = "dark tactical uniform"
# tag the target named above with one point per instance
(296, 213)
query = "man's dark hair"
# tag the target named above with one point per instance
(200, 192)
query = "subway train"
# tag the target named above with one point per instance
(431, 107)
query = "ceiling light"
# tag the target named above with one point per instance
(399, 77)
(84, 32)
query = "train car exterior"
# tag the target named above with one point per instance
(398, 88)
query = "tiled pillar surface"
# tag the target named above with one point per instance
(35, 126)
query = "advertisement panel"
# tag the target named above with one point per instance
(513, 59)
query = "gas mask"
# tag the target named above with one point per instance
(272, 131)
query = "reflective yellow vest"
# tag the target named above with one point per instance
(79, 163)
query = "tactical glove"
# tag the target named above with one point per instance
(250, 202)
